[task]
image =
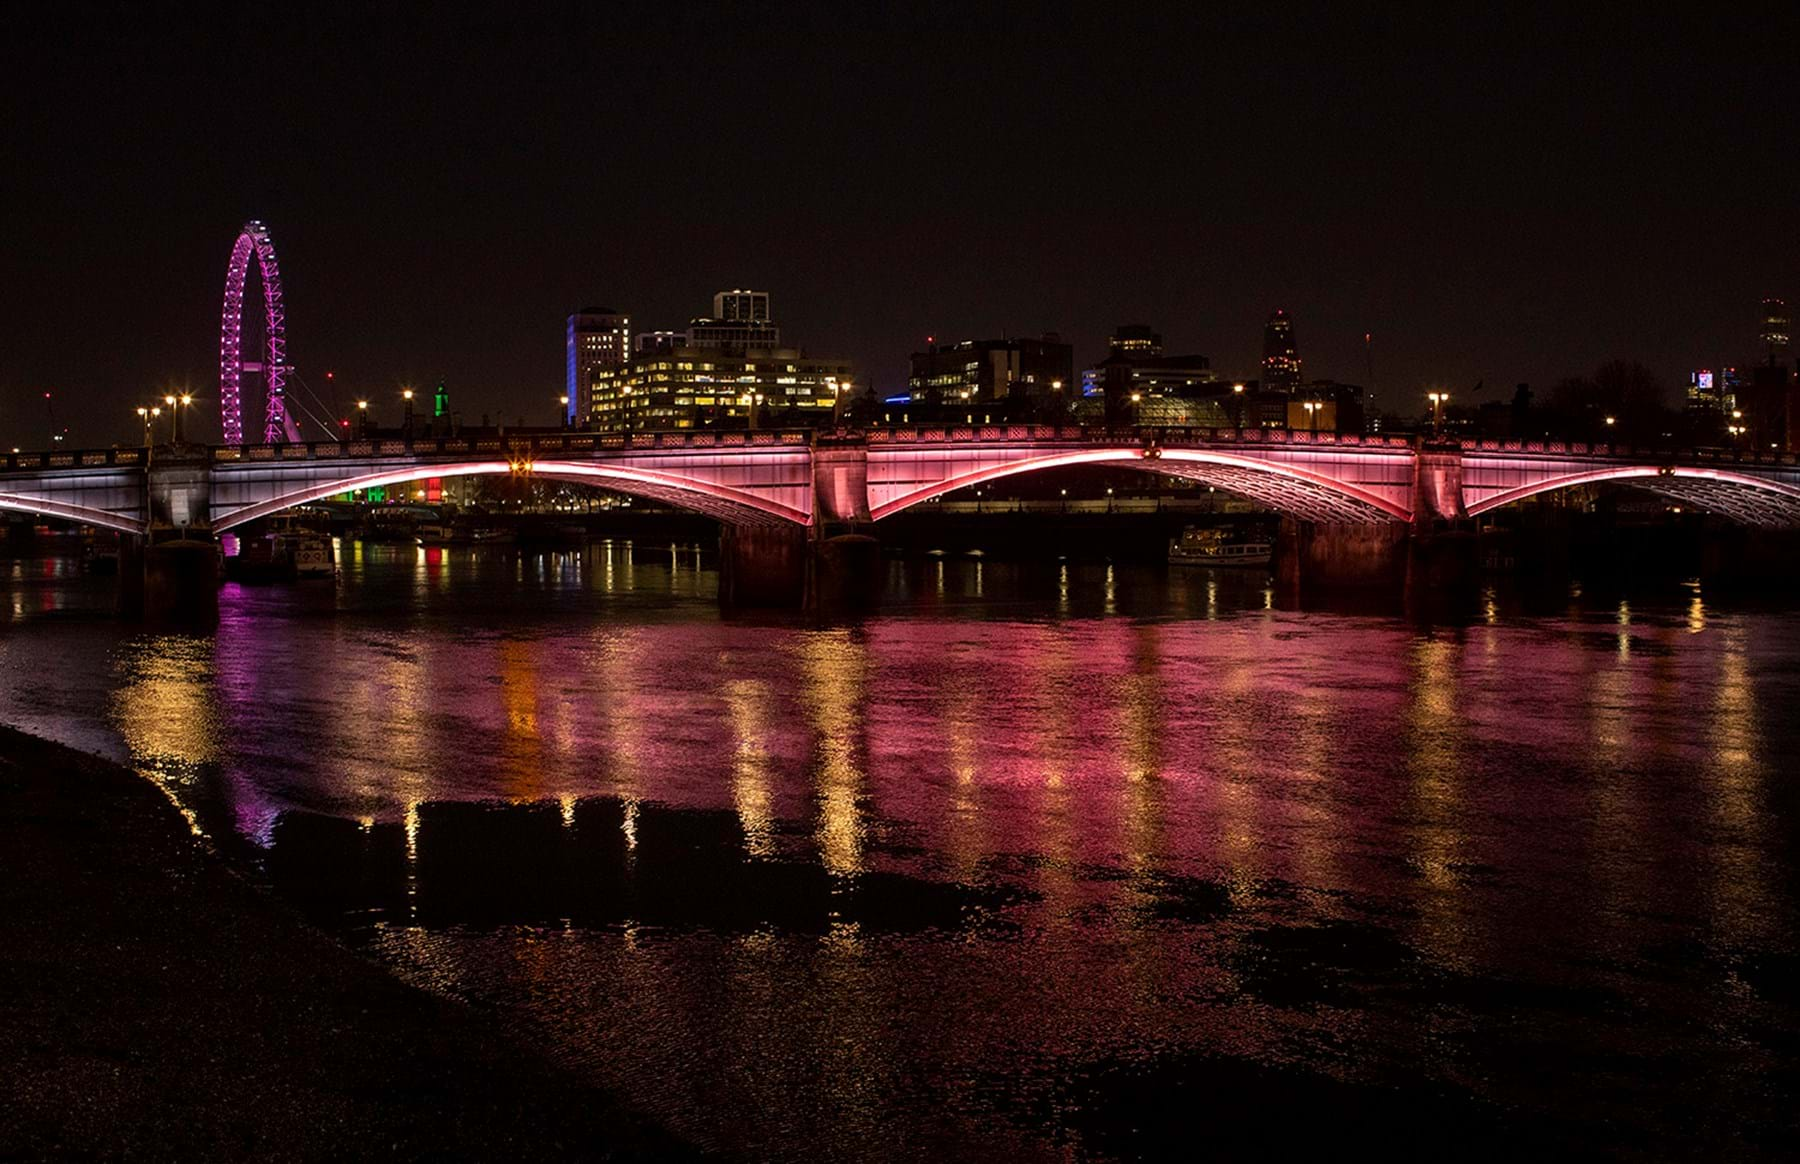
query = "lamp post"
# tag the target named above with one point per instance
(1437, 412)
(568, 421)
(362, 419)
(174, 420)
(1237, 408)
(406, 394)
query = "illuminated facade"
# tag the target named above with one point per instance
(1706, 392)
(1775, 333)
(1023, 372)
(598, 340)
(1136, 340)
(1281, 360)
(688, 386)
(742, 306)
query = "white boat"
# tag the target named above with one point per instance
(306, 549)
(1208, 547)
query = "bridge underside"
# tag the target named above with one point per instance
(1749, 504)
(1326, 487)
(66, 511)
(241, 496)
(1290, 495)
(1766, 502)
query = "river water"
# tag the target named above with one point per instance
(1042, 860)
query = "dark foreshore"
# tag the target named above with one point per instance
(154, 1004)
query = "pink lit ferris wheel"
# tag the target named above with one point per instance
(277, 425)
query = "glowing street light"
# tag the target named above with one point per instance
(1437, 411)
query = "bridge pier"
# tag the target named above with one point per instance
(763, 565)
(175, 582)
(1313, 556)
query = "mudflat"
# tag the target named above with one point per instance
(155, 1004)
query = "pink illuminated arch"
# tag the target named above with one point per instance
(717, 501)
(253, 239)
(1745, 497)
(1283, 487)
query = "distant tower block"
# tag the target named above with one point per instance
(277, 425)
(1281, 361)
(597, 339)
(1775, 329)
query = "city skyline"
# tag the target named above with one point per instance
(438, 220)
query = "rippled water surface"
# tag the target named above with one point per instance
(1042, 860)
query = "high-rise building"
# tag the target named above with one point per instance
(1775, 329)
(1018, 373)
(599, 338)
(1281, 361)
(727, 370)
(741, 306)
(740, 320)
(1705, 392)
(1136, 340)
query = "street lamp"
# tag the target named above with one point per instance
(567, 419)
(1237, 408)
(406, 394)
(1437, 411)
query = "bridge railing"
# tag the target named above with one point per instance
(576, 443)
(1099, 434)
(73, 459)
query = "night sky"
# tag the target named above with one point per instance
(1495, 201)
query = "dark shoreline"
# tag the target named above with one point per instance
(155, 1004)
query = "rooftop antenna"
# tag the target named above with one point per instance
(1369, 358)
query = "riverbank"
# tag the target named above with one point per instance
(154, 1004)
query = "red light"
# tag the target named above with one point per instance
(331, 375)
(345, 423)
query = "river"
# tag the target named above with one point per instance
(1041, 860)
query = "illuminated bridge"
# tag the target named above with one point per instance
(828, 482)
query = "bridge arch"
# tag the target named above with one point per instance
(734, 506)
(66, 511)
(1744, 497)
(1283, 486)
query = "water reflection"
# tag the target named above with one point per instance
(1036, 850)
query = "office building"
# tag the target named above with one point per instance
(726, 370)
(741, 306)
(1136, 341)
(598, 339)
(1281, 360)
(1706, 393)
(1325, 406)
(1775, 329)
(1019, 376)
(740, 320)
